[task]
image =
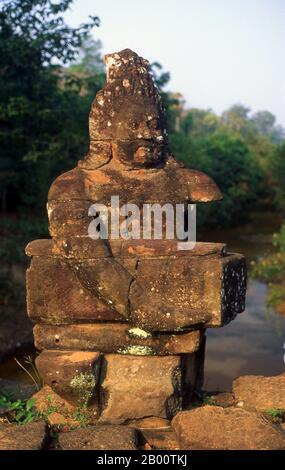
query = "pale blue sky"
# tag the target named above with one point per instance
(218, 52)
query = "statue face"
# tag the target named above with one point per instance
(135, 128)
(138, 121)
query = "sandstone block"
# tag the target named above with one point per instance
(216, 428)
(159, 439)
(157, 294)
(260, 393)
(100, 438)
(47, 401)
(74, 375)
(106, 278)
(30, 436)
(56, 296)
(138, 387)
(115, 338)
(60, 413)
(188, 291)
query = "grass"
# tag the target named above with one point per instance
(19, 411)
(277, 415)
(33, 373)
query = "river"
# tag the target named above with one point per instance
(254, 342)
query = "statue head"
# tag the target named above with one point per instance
(127, 120)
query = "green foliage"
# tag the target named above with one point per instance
(81, 416)
(19, 411)
(278, 165)
(277, 415)
(271, 270)
(16, 233)
(228, 160)
(43, 127)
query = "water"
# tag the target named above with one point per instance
(254, 342)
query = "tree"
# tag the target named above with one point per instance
(36, 115)
(279, 175)
(228, 160)
(270, 270)
(89, 61)
(200, 122)
(264, 122)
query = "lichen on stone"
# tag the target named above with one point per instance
(139, 333)
(83, 385)
(136, 350)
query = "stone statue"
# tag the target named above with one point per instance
(121, 322)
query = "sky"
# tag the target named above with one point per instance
(218, 52)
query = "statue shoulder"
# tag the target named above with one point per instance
(69, 185)
(199, 186)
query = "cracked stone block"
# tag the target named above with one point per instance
(166, 293)
(115, 338)
(138, 387)
(74, 375)
(188, 291)
(56, 296)
(106, 278)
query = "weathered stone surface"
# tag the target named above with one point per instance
(172, 183)
(106, 278)
(214, 427)
(68, 217)
(137, 387)
(60, 413)
(60, 422)
(223, 399)
(156, 248)
(115, 338)
(84, 247)
(158, 439)
(55, 295)
(99, 438)
(30, 436)
(40, 248)
(47, 401)
(74, 375)
(260, 393)
(150, 423)
(185, 292)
